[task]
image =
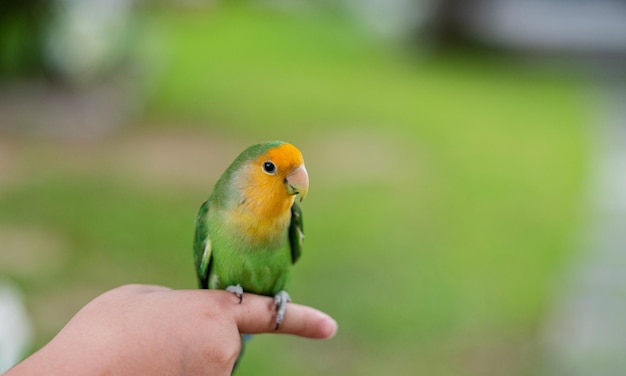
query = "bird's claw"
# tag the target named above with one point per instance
(280, 300)
(237, 290)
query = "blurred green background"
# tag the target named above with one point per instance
(446, 198)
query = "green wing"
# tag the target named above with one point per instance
(202, 247)
(296, 233)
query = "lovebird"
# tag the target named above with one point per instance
(249, 232)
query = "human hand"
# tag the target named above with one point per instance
(144, 329)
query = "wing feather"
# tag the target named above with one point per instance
(202, 247)
(296, 233)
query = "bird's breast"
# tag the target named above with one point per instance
(259, 231)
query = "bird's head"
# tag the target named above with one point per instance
(282, 168)
(269, 176)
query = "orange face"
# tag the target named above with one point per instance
(275, 178)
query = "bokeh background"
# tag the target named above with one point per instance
(466, 164)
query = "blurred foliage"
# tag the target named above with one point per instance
(22, 30)
(446, 192)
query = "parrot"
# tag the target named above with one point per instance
(249, 232)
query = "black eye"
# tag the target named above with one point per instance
(269, 167)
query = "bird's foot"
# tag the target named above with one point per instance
(281, 299)
(238, 290)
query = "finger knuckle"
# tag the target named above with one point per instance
(226, 354)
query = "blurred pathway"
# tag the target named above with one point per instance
(587, 334)
(86, 112)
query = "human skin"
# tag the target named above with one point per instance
(146, 329)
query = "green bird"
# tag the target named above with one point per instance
(249, 231)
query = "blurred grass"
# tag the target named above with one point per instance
(446, 193)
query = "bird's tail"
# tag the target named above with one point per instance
(244, 339)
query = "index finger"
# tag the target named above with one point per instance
(257, 314)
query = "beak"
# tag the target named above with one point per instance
(297, 182)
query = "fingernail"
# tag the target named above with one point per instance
(328, 328)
